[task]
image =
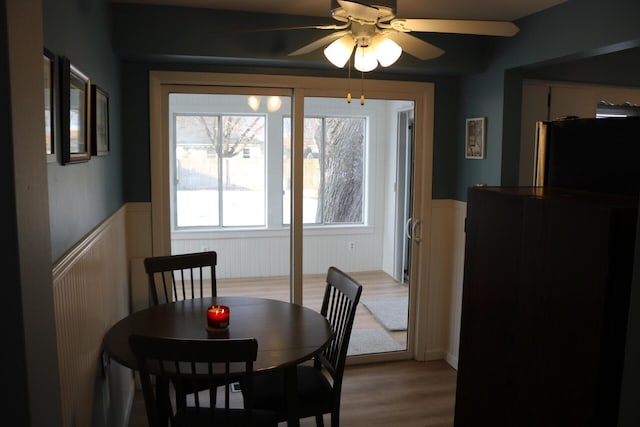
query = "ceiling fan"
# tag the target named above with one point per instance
(378, 37)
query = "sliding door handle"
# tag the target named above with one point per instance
(416, 230)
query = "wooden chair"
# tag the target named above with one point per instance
(318, 393)
(214, 362)
(179, 277)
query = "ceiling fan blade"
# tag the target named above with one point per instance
(414, 46)
(359, 11)
(458, 26)
(319, 43)
(284, 28)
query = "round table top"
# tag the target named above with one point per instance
(287, 334)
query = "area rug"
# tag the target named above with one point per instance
(391, 312)
(377, 340)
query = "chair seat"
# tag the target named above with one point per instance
(315, 394)
(198, 417)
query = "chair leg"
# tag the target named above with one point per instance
(335, 418)
(319, 421)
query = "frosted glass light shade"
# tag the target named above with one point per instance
(387, 51)
(339, 51)
(365, 59)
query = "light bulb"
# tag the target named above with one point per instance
(365, 59)
(274, 103)
(339, 51)
(254, 102)
(387, 51)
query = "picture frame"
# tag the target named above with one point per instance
(475, 138)
(99, 121)
(75, 97)
(49, 66)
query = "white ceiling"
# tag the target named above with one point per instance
(508, 10)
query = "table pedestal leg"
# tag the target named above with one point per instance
(291, 392)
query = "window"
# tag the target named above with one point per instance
(231, 165)
(219, 170)
(334, 170)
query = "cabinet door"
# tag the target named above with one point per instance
(562, 300)
(488, 324)
(545, 299)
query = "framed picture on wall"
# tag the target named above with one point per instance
(75, 94)
(475, 145)
(99, 121)
(49, 103)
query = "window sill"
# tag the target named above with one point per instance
(243, 233)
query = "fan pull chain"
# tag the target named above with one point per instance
(362, 88)
(349, 84)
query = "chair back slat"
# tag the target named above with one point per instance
(180, 277)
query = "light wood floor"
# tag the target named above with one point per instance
(404, 394)
(375, 284)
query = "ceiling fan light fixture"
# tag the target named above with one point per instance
(387, 51)
(339, 51)
(364, 59)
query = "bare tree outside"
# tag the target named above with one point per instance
(334, 155)
(343, 170)
(238, 132)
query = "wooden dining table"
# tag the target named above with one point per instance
(287, 334)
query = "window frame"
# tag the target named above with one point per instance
(220, 168)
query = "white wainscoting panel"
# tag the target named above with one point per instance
(238, 257)
(444, 296)
(139, 246)
(267, 254)
(139, 285)
(455, 306)
(91, 293)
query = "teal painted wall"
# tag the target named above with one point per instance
(82, 195)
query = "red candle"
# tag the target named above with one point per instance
(218, 316)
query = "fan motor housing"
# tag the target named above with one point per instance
(390, 5)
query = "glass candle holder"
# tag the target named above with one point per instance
(218, 317)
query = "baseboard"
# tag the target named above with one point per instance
(452, 360)
(434, 354)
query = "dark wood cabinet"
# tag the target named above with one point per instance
(544, 308)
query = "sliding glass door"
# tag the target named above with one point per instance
(284, 180)
(350, 212)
